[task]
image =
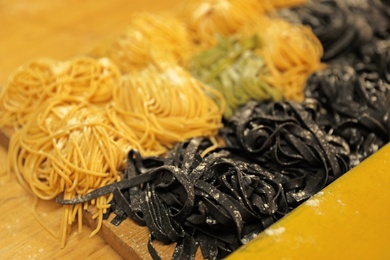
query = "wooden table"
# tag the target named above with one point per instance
(22, 237)
(348, 221)
(55, 29)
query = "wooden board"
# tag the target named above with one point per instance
(348, 219)
(5, 135)
(59, 30)
(22, 235)
(128, 240)
(63, 28)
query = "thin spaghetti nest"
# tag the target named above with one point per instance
(291, 52)
(207, 18)
(172, 105)
(70, 148)
(33, 83)
(149, 39)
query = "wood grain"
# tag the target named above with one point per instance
(128, 240)
(22, 235)
(5, 135)
(354, 223)
(60, 30)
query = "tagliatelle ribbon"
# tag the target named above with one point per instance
(219, 199)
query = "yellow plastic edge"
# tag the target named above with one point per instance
(349, 219)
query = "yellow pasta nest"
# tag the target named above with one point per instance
(149, 39)
(76, 120)
(206, 18)
(33, 83)
(70, 148)
(174, 105)
(291, 52)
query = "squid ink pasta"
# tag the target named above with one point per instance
(375, 13)
(356, 94)
(216, 202)
(285, 139)
(358, 102)
(208, 192)
(339, 30)
(374, 58)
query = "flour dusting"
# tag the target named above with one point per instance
(275, 231)
(313, 202)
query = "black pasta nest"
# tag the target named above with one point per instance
(293, 142)
(216, 202)
(343, 26)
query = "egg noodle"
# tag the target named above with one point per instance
(149, 39)
(291, 53)
(41, 79)
(173, 104)
(76, 120)
(206, 18)
(69, 147)
(74, 142)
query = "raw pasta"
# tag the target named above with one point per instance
(291, 52)
(70, 148)
(33, 83)
(149, 39)
(207, 18)
(173, 104)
